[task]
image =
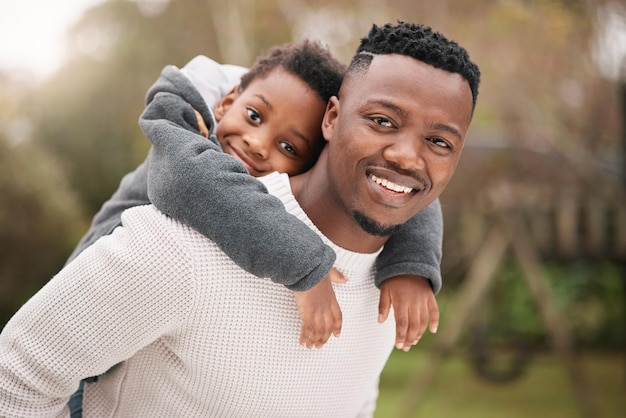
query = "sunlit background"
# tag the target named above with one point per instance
(33, 34)
(533, 303)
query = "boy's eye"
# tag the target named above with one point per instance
(253, 115)
(289, 148)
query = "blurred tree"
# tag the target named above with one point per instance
(38, 222)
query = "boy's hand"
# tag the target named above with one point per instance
(320, 312)
(204, 131)
(414, 306)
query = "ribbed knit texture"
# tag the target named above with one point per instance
(196, 335)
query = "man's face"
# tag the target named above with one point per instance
(395, 137)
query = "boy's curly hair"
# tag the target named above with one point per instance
(419, 42)
(308, 60)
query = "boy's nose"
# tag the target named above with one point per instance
(256, 146)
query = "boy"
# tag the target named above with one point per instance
(169, 122)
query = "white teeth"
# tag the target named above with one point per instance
(390, 185)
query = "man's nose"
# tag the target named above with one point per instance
(257, 146)
(407, 153)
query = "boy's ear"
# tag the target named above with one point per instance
(330, 117)
(225, 103)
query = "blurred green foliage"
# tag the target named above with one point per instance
(590, 296)
(41, 221)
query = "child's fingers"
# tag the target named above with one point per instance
(384, 304)
(419, 320)
(202, 128)
(336, 277)
(309, 336)
(402, 328)
(433, 314)
(332, 325)
(318, 336)
(337, 320)
(323, 338)
(316, 332)
(327, 324)
(307, 329)
(417, 327)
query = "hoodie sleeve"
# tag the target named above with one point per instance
(415, 249)
(191, 179)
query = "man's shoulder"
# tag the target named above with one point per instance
(150, 220)
(146, 228)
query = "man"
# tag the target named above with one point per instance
(191, 342)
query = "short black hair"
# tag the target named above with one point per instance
(308, 60)
(419, 42)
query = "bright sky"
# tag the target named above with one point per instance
(610, 53)
(32, 33)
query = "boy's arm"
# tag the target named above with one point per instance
(191, 179)
(415, 249)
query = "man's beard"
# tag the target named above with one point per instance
(372, 227)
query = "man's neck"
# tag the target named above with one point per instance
(329, 216)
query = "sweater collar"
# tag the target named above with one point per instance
(278, 185)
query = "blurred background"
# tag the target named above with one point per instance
(534, 267)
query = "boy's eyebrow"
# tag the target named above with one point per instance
(264, 100)
(308, 141)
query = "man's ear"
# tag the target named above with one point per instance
(225, 103)
(330, 117)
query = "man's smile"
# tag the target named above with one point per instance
(392, 189)
(391, 185)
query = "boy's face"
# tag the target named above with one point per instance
(272, 125)
(394, 139)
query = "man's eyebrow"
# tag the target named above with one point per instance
(391, 106)
(448, 128)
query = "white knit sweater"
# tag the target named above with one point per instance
(196, 336)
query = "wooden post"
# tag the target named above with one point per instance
(595, 232)
(567, 223)
(619, 233)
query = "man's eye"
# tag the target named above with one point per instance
(439, 142)
(253, 115)
(383, 122)
(289, 148)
